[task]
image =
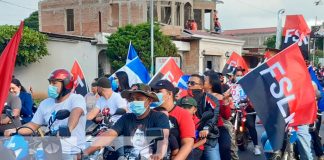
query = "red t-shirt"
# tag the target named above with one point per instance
(196, 121)
(224, 112)
(185, 122)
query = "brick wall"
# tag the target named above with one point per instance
(191, 58)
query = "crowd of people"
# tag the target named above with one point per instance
(188, 134)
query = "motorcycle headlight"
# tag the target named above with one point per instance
(241, 129)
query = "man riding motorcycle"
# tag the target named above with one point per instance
(60, 97)
(133, 124)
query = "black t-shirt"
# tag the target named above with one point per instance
(174, 129)
(133, 130)
(128, 123)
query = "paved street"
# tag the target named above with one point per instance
(249, 155)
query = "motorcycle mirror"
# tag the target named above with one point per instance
(120, 111)
(155, 133)
(9, 113)
(62, 114)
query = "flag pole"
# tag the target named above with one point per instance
(152, 38)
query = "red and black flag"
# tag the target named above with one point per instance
(235, 61)
(296, 28)
(80, 86)
(171, 72)
(281, 93)
(7, 64)
(267, 55)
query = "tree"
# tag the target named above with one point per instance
(139, 35)
(32, 46)
(32, 21)
(270, 42)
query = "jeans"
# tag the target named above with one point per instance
(250, 125)
(224, 141)
(229, 127)
(303, 142)
(211, 153)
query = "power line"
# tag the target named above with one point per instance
(13, 4)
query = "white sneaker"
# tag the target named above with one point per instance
(257, 150)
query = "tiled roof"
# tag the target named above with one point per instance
(250, 31)
(205, 33)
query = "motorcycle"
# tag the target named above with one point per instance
(289, 149)
(95, 129)
(241, 132)
(36, 148)
(129, 152)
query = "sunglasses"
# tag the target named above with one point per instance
(192, 83)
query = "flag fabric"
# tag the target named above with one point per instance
(80, 85)
(267, 55)
(183, 86)
(320, 102)
(169, 71)
(182, 83)
(211, 101)
(136, 72)
(132, 54)
(296, 28)
(281, 93)
(235, 61)
(7, 64)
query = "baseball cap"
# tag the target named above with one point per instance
(165, 84)
(140, 88)
(187, 101)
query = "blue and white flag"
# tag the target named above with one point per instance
(136, 71)
(132, 54)
(320, 102)
(182, 84)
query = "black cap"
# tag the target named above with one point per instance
(94, 84)
(165, 84)
(103, 82)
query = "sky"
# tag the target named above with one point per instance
(233, 14)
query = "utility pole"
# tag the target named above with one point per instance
(279, 28)
(152, 38)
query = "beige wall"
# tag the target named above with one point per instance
(218, 47)
(62, 55)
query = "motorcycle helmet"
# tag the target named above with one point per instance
(65, 77)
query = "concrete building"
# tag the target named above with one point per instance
(87, 17)
(254, 38)
(207, 50)
(98, 18)
(63, 50)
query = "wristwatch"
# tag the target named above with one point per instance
(206, 128)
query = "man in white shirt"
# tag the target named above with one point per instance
(60, 97)
(108, 99)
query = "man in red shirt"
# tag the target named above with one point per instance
(183, 117)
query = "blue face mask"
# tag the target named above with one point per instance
(159, 103)
(114, 85)
(52, 91)
(238, 78)
(137, 107)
